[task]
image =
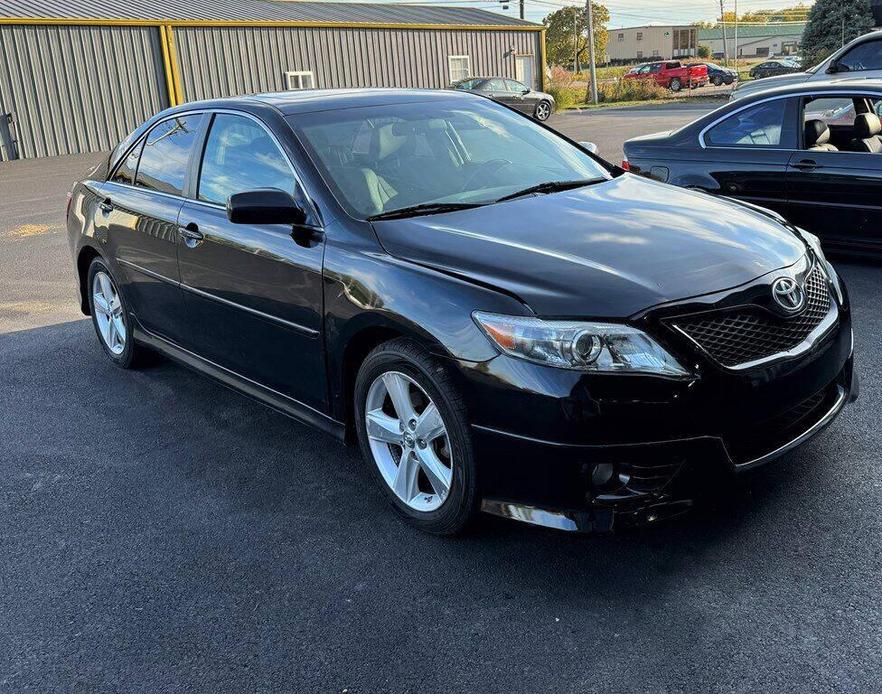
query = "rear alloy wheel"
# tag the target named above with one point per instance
(717, 80)
(413, 432)
(676, 85)
(543, 111)
(111, 319)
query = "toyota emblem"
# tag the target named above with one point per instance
(788, 294)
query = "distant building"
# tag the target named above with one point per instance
(635, 44)
(754, 41)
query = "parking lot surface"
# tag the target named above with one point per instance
(159, 532)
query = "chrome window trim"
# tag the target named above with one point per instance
(799, 95)
(311, 332)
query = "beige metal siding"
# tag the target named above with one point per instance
(77, 88)
(225, 61)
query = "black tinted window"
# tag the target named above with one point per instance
(514, 86)
(163, 164)
(759, 126)
(126, 171)
(867, 56)
(240, 155)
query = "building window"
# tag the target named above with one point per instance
(655, 53)
(639, 55)
(620, 37)
(303, 79)
(639, 35)
(460, 67)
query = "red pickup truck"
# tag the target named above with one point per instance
(671, 74)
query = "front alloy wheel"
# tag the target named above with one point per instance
(409, 441)
(414, 433)
(543, 111)
(108, 313)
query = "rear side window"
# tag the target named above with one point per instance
(759, 126)
(166, 152)
(240, 155)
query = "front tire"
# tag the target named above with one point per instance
(543, 111)
(414, 434)
(718, 80)
(111, 319)
(676, 85)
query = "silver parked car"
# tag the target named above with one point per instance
(862, 58)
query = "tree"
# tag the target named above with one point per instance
(704, 51)
(831, 24)
(565, 25)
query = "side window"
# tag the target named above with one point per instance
(866, 56)
(125, 173)
(516, 87)
(655, 67)
(240, 155)
(166, 152)
(759, 126)
(835, 111)
(495, 86)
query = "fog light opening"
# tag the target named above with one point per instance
(602, 474)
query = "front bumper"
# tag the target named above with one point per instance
(541, 433)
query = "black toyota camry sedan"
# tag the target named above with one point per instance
(810, 151)
(500, 319)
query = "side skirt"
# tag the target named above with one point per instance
(265, 396)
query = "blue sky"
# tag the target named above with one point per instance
(640, 12)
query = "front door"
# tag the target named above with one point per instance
(253, 292)
(524, 70)
(140, 210)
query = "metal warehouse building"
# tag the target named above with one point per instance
(78, 76)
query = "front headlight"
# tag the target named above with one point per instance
(814, 243)
(582, 346)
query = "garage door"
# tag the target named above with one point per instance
(78, 88)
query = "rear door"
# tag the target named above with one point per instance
(837, 195)
(749, 150)
(140, 212)
(253, 292)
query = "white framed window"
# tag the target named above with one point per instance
(302, 79)
(460, 67)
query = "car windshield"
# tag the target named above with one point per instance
(378, 159)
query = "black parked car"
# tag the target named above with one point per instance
(771, 68)
(719, 75)
(512, 93)
(808, 151)
(499, 318)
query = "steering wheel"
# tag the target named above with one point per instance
(486, 168)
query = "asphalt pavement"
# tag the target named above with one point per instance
(161, 533)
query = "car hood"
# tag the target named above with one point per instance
(607, 250)
(745, 88)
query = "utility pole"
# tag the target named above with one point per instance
(576, 65)
(723, 24)
(736, 35)
(592, 87)
(522, 8)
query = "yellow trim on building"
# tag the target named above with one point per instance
(173, 61)
(543, 61)
(92, 21)
(166, 64)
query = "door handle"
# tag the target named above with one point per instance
(191, 234)
(106, 205)
(806, 165)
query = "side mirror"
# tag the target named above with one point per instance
(832, 68)
(264, 206)
(526, 91)
(590, 146)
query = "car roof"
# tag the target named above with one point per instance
(833, 85)
(312, 100)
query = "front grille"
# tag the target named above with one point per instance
(747, 334)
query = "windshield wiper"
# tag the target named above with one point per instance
(550, 187)
(424, 208)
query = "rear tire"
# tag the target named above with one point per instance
(717, 80)
(442, 494)
(111, 318)
(676, 84)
